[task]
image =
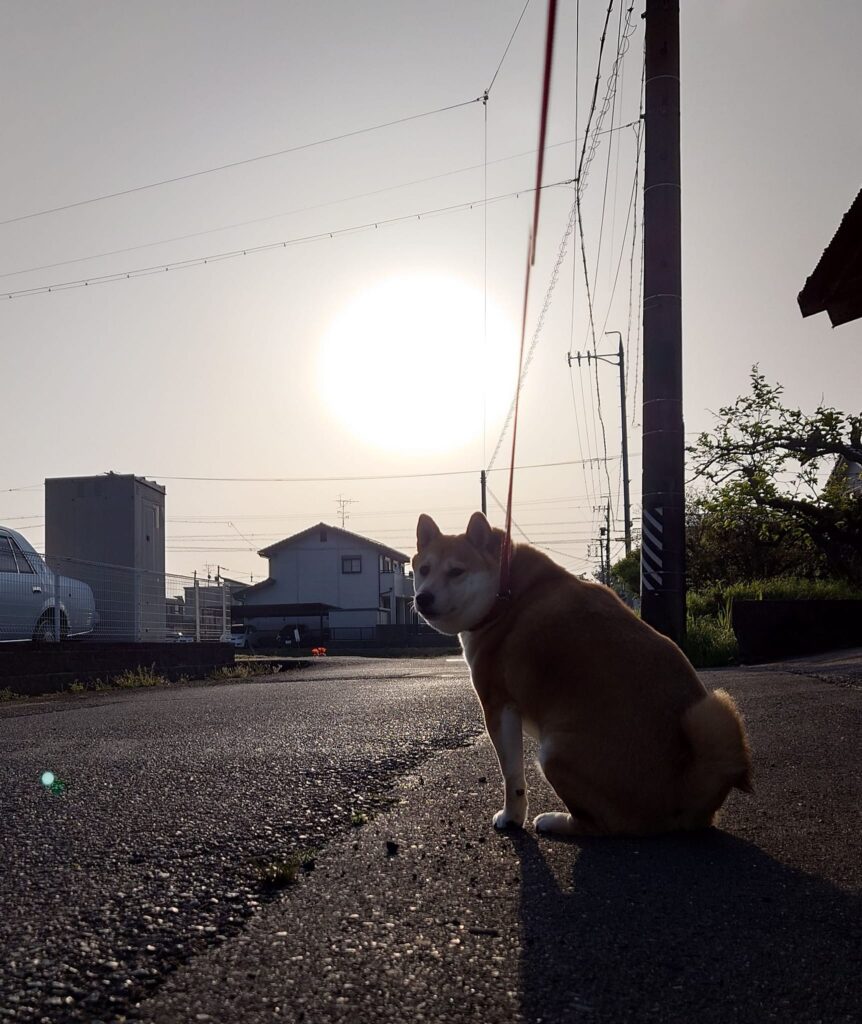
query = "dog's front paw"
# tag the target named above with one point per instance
(505, 819)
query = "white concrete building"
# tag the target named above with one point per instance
(329, 578)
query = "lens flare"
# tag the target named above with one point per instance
(48, 779)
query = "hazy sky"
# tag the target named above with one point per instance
(216, 370)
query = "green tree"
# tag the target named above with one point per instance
(626, 573)
(779, 481)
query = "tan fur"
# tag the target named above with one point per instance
(628, 736)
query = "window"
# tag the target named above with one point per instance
(25, 563)
(387, 565)
(7, 559)
(350, 564)
(385, 601)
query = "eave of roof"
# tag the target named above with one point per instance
(835, 284)
(268, 582)
(384, 548)
(268, 611)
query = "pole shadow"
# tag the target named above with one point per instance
(688, 927)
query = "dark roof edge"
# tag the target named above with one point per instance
(392, 552)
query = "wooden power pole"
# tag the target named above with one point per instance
(663, 525)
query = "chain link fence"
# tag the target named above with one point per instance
(56, 598)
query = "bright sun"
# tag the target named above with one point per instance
(405, 365)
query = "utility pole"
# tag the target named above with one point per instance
(608, 544)
(627, 498)
(663, 533)
(604, 531)
(483, 484)
(616, 359)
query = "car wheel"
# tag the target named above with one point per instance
(44, 631)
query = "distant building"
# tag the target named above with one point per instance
(835, 284)
(213, 599)
(847, 476)
(329, 578)
(109, 530)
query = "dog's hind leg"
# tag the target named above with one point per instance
(557, 769)
(558, 823)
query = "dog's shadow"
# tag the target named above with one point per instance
(691, 927)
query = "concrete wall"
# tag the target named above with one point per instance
(34, 669)
(769, 630)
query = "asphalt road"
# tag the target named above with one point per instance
(172, 796)
(133, 894)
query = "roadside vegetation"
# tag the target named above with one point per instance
(136, 678)
(278, 872)
(777, 515)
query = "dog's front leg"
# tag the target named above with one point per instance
(504, 728)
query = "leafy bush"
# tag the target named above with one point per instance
(719, 598)
(710, 641)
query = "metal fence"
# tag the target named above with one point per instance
(55, 598)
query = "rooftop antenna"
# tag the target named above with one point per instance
(342, 503)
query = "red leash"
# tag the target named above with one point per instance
(506, 549)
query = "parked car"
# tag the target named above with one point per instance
(28, 596)
(176, 636)
(239, 637)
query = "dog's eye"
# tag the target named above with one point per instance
(454, 573)
(424, 570)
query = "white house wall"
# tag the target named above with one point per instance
(310, 570)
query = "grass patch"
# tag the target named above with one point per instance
(710, 641)
(239, 671)
(279, 872)
(7, 694)
(128, 679)
(133, 678)
(358, 819)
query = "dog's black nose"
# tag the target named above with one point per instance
(425, 601)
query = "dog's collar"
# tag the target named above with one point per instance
(501, 603)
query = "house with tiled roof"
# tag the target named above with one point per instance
(327, 578)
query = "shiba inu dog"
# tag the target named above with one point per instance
(628, 736)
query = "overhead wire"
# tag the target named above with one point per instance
(588, 472)
(198, 261)
(505, 52)
(583, 167)
(240, 163)
(285, 213)
(348, 479)
(609, 101)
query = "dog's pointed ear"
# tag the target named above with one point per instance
(426, 531)
(480, 534)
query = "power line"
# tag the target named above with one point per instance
(239, 163)
(511, 38)
(609, 100)
(583, 167)
(295, 211)
(347, 479)
(199, 261)
(502, 508)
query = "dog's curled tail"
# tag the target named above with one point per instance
(721, 757)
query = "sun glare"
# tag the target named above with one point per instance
(405, 366)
